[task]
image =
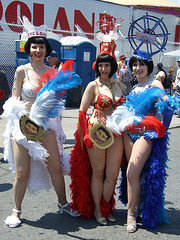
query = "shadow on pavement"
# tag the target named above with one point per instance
(5, 187)
(65, 224)
(1, 150)
(61, 223)
(174, 222)
(69, 141)
(3, 161)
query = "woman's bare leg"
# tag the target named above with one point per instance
(97, 160)
(54, 166)
(113, 161)
(128, 145)
(22, 167)
(139, 155)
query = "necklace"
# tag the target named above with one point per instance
(38, 69)
(143, 84)
(109, 85)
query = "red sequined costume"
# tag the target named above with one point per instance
(81, 171)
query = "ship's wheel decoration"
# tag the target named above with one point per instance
(149, 34)
(107, 23)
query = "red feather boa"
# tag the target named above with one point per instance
(2, 93)
(80, 186)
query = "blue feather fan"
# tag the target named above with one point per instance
(51, 98)
(141, 103)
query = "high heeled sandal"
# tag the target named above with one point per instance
(13, 221)
(101, 220)
(62, 209)
(131, 228)
(111, 218)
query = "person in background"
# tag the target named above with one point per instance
(122, 60)
(169, 81)
(125, 77)
(176, 88)
(52, 59)
(4, 87)
(161, 74)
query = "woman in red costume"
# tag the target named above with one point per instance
(94, 170)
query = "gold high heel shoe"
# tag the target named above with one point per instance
(100, 220)
(111, 218)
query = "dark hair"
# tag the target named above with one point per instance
(160, 68)
(159, 65)
(33, 123)
(122, 57)
(105, 131)
(106, 58)
(38, 40)
(149, 64)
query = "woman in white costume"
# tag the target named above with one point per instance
(23, 154)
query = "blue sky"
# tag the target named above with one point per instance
(175, 1)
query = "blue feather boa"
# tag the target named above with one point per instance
(153, 182)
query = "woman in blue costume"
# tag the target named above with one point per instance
(36, 164)
(144, 118)
(94, 171)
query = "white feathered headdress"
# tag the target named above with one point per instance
(33, 31)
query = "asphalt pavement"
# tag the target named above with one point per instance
(41, 220)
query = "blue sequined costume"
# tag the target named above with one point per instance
(128, 118)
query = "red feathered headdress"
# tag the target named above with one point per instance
(107, 35)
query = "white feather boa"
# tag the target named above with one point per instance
(121, 118)
(39, 176)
